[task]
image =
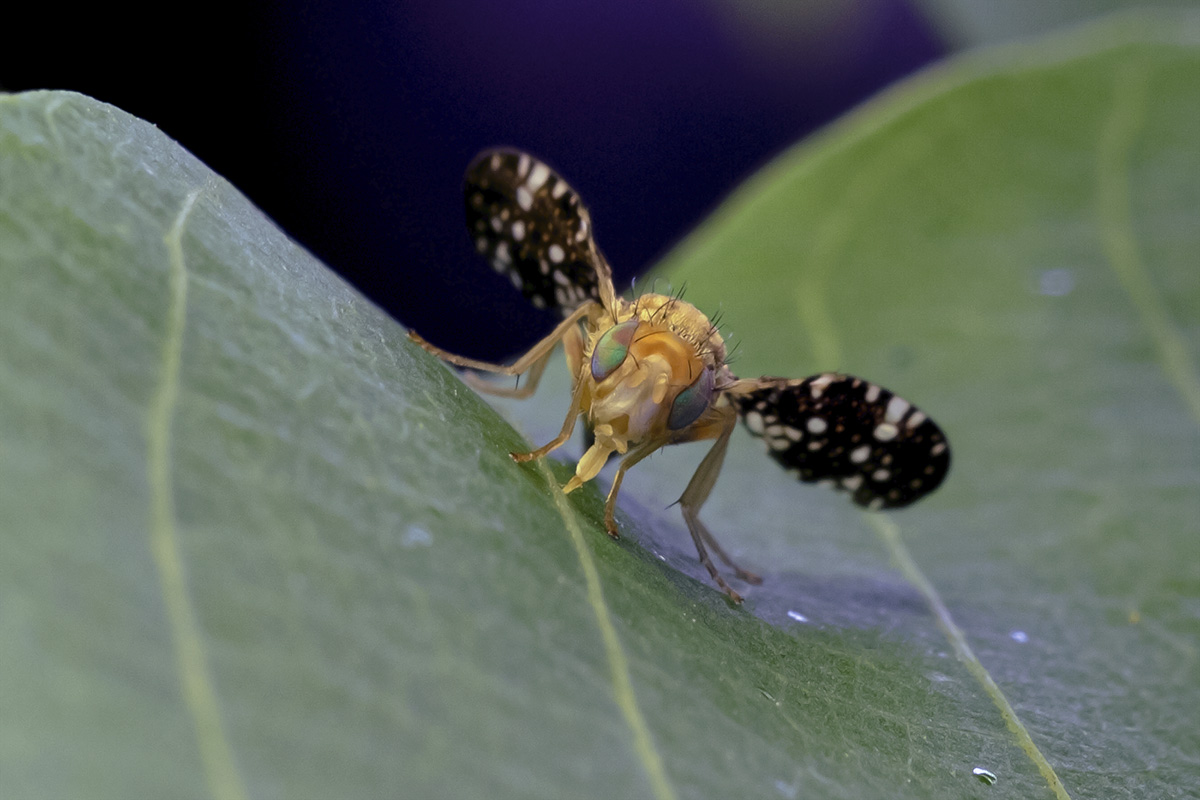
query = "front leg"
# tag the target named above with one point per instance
(533, 362)
(564, 434)
(632, 457)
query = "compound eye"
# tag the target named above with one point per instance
(692, 401)
(612, 349)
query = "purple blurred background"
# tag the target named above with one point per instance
(351, 123)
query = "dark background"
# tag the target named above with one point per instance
(350, 123)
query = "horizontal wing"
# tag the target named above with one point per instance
(533, 228)
(847, 433)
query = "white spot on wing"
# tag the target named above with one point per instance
(754, 422)
(502, 254)
(859, 454)
(556, 253)
(873, 393)
(886, 431)
(537, 176)
(518, 230)
(816, 425)
(896, 408)
(819, 385)
(524, 198)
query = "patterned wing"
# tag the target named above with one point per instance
(848, 433)
(533, 228)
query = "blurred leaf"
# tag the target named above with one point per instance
(257, 545)
(974, 22)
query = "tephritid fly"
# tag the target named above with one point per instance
(651, 371)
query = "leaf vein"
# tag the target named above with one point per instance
(195, 680)
(618, 664)
(1119, 241)
(890, 534)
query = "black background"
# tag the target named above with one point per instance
(350, 123)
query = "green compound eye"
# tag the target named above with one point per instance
(691, 402)
(612, 348)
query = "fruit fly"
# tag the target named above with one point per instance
(651, 372)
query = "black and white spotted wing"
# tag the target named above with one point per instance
(849, 433)
(533, 228)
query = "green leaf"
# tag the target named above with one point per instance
(979, 21)
(258, 545)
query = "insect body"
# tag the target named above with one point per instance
(651, 371)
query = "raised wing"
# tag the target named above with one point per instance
(847, 433)
(533, 228)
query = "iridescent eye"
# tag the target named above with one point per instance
(612, 348)
(691, 402)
